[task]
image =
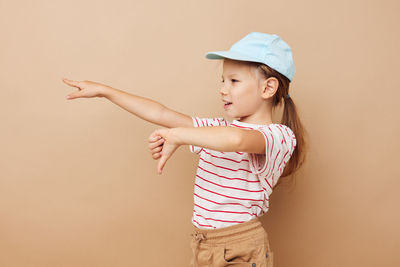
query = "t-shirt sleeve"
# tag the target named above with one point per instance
(205, 122)
(280, 143)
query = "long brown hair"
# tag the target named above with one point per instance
(289, 118)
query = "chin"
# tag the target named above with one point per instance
(235, 118)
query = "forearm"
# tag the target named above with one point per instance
(220, 138)
(142, 107)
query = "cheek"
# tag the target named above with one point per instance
(246, 96)
(248, 103)
(240, 92)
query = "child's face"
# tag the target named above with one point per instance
(243, 86)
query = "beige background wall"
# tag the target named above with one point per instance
(78, 186)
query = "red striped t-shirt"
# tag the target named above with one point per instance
(234, 187)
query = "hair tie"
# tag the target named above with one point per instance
(287, 96)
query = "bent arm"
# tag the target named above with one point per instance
(148, 109)
(222, 138)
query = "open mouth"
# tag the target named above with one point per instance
(227, 104)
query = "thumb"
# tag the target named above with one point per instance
(161, 163)
(72, 96)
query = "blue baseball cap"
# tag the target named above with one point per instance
(260, 47)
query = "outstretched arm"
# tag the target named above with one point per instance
(148, 109)
(144, 108)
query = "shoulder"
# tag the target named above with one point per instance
(279, 135)
(278, 129)
(285, 130)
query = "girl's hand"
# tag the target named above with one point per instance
(155, 146)
(163, 148)
(86, 89)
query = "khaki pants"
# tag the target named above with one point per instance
(241, 245)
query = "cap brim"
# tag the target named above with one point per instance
(229, 54)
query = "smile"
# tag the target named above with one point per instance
(227, 105)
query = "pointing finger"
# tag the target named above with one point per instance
(71, 83)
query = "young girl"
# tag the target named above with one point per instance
(241, 160)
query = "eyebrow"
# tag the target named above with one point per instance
(230, 75)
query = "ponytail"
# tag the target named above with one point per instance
(290, 118)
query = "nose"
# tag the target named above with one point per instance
(223, 90)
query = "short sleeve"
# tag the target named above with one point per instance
(280, 143)
(205, 122)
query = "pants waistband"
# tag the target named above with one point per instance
(224, 233)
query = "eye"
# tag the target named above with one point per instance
(233, 80)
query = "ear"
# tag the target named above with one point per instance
(269, 87)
